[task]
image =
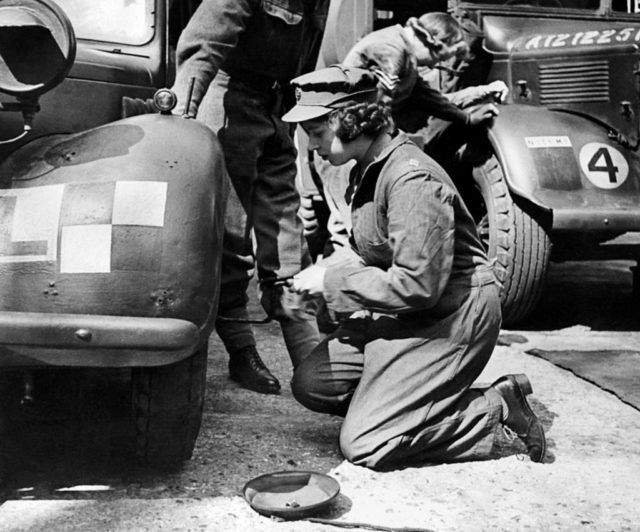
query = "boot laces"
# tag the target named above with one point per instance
(509, 433)
(255, 361)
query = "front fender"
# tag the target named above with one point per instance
(124, 220)
(566, 164)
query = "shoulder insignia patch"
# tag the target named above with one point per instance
(414, 162)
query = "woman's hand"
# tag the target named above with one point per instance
(309, 281)
(498, 90)
(308, 214)
(482, 115)
(300, 297)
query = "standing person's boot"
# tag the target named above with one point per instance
(247, 369)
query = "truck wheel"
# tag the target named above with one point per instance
(517, 241)
(167, 410)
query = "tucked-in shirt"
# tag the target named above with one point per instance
(269, 39)
(412, 236)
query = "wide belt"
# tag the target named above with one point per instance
(256, 81)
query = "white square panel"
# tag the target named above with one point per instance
(85, 249)
(35, 218)
(140, 203)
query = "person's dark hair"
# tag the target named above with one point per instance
(368, 118)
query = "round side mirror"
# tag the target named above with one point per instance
(37, 47)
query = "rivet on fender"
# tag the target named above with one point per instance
(83, 334)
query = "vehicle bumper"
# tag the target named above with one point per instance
(589, 219)
(42, 339)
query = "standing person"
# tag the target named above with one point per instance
(417, 275)
(234, 62)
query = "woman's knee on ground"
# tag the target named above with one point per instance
(315, 393)
(364, 445)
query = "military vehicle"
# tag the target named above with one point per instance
(111, 227)
(558, 175)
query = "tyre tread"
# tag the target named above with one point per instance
(518, 243)
(167, 405)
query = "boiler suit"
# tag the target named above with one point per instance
(242, 54)
(401, 371)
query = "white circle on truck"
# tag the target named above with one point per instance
(603, 165)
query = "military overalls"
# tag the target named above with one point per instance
(401, 371)
(251, 49)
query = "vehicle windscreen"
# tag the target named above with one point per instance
(118, 21)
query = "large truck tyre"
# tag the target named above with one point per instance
(167, 410)
(518, 243)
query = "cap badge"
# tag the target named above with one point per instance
(298, 93)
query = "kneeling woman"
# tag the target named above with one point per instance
(401, 370)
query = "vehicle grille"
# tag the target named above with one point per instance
(586, 81)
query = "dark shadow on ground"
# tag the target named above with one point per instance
(615, 371)
(75, 431)
(596, 294)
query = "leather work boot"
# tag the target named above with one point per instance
(247, 369)
(513, 389)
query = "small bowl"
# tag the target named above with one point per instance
(290, 494)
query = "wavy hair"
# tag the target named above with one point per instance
(358, 118)
(442, 26)
(441, 33)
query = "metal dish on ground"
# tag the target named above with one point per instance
(290, 494)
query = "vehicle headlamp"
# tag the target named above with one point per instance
(165, 100)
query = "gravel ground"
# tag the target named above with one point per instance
(589, 481)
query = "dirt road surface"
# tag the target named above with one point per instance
(581, 351)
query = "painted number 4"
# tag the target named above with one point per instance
(602, 162)
(603, 165)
